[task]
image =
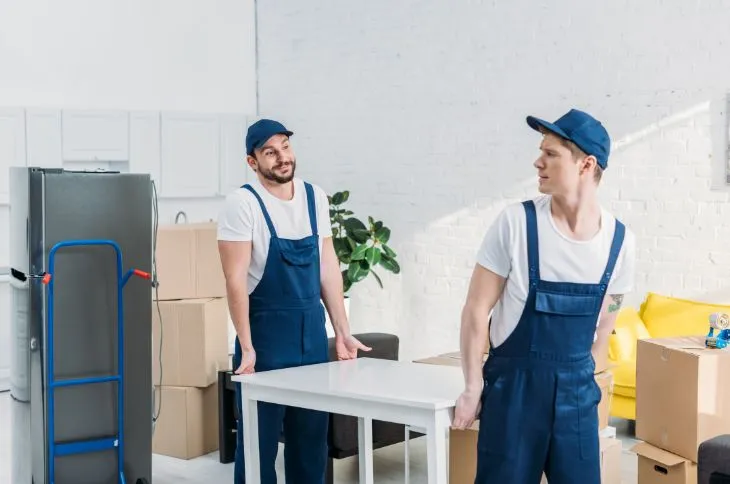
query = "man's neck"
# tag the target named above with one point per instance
(282, 191)
(578, 215)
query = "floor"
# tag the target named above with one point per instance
(389, 461)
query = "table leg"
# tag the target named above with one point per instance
(365, 449)
(251, 438)
(436, 435)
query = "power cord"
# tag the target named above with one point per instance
(157, 400)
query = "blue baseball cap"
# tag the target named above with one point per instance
(582, 129)
(260, 132)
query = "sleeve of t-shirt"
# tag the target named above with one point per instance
(235, 221)
(623, 278)
(494, 252)
(323, 212)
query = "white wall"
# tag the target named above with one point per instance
(136, 55)
(418, 108)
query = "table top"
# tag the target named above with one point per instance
(369, 379)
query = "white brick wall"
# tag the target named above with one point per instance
(418, 108)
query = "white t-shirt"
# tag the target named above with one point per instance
(242, 220)
(504, 252)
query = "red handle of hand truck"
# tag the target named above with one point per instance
(46, 279)
(142, 274)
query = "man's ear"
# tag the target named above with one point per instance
(588, 164)
(251, 161)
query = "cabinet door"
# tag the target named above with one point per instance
(12, 147)
(95, 136)
(234, 169)
(190, 155)
(144, 144)
(44, 145)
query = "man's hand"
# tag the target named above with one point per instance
(248, 361)
(347, 347)
(468, 406)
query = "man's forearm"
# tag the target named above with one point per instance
(238, 306)
(474, 332)
(333, 298)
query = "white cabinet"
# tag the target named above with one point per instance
(190, 155)
(234, 169)
(95, 136)
(144, 143)
(12, 146)
(44, 143)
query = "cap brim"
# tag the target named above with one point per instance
(260, 144)
(536, 123)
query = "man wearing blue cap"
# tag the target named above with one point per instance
(553, 302)
(275, 243)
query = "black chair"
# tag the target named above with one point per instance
(713, 461)
(342, 438)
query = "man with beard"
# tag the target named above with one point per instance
(275, 243)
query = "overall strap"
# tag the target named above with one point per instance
(312, 208)
(618, 240)
(272, 230)
(533, 254)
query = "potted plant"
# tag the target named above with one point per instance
(360, 248)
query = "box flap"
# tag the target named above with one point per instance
(656, 454)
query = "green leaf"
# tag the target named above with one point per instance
(338, 198)
(390, 264)
(352, 224)
(372, 255)
(345, 196)
(389, 252)
(352, 243)
(383, 235)
(346, 282)
(378, 225)
(377, 278)
(361, 236)
(357, 271)
(360, 252)
(371, 221)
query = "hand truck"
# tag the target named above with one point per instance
(116, 441)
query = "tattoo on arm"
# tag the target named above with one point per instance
(616, 300)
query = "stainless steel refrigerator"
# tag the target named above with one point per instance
(49, 206)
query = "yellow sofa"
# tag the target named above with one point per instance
(657, 317)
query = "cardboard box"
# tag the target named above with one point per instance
(605, 381)
(657, 466)
(188, 262)
(194, 342)
(463, 457)
(188, 422)
(682, 396)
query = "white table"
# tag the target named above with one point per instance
(416, 394)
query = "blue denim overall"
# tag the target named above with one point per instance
(287, 329)
(540, 398)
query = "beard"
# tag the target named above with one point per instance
(270, 175)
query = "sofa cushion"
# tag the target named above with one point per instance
(628, 329)
(666, 316)
(624, 379)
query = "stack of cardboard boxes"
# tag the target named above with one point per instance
(682, 399)
(190, 320)
(463, 443)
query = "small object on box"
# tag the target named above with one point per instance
(721, 322)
